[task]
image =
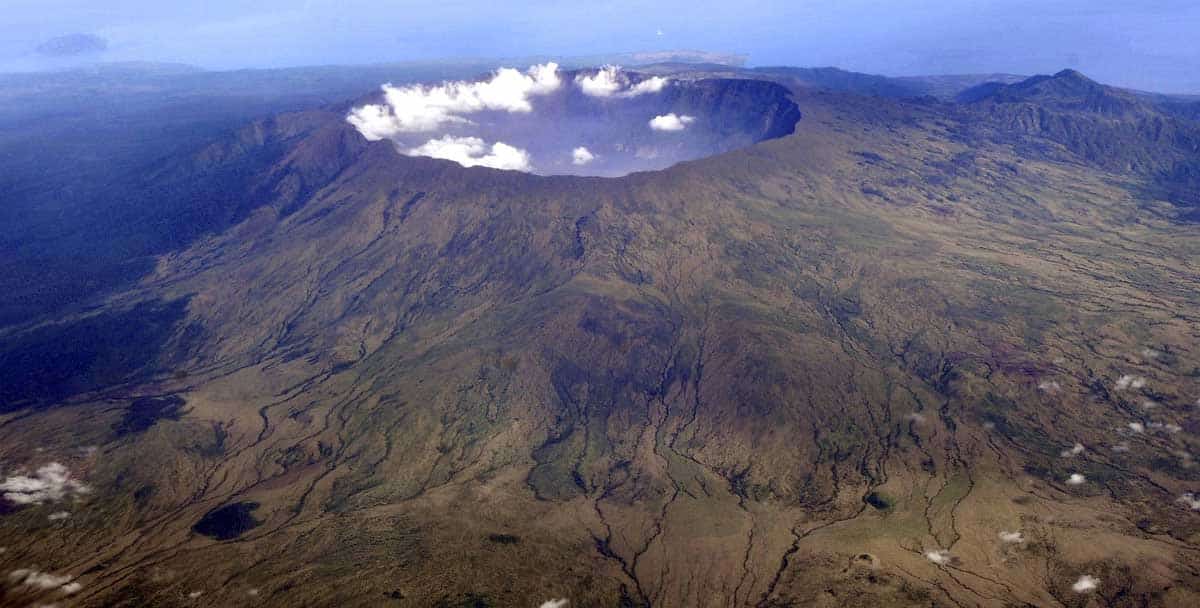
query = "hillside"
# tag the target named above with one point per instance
(1115, 129)
(845, 367)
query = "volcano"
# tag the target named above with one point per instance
(851, 351)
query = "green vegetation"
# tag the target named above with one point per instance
(406, 382)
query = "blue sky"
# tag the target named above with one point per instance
(1149, 44)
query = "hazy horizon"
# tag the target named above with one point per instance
(1143, 45)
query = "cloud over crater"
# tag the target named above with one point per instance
(589, 122)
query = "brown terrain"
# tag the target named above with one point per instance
(916, 353)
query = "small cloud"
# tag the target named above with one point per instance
(44, 580)
(560, 603)
(659, 32)
(581, 156)
(1137, 427)
(611, 81)
(939, 556)
(1076, 479)
(1050, 387)
(423, 109)
(915, 417)
(1191, 500)
(671, 122)
(1150, 353)
(59, 516)
(51, 483)
(72, 45)
(653, 84)
(1085, 584)
(472, 151)
(1075, 450)
(1128, 381)
(1012, 537)
(604, 83)
(195, 594)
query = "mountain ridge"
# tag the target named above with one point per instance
(1115, 129)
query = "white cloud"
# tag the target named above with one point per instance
(671, 122)
(1012, 537)
(1050, 386)
(1191, 500)
(423, 109)
(439, 120)
(1075, 450)
(653, 84)
(560, 603)
(1085, 583)
(1128, 381)
(610, 81)
(604, 83)
(472, 151)
(582, 156)
(44, 580)
(1137, 427)
(58, 516)
(51, 483)
(1076, 479)
(938, 556)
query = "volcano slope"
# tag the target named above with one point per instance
(892, 359)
